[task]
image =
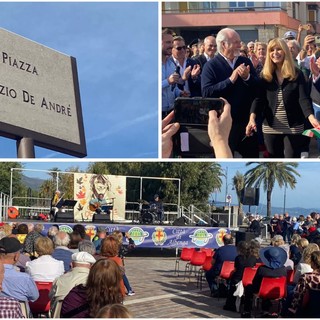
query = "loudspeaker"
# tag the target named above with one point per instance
(179, 222)
(64, 217)
(244, 236)
(250, 196)
(101, 218)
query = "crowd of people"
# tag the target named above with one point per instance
(273, 90)
(294, 247)
(87, 277)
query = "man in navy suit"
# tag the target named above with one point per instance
(233, 77)
(210, 49)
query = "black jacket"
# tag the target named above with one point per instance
(296, 101)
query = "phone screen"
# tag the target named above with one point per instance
(196, 110)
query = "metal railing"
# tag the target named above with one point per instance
(4, 205)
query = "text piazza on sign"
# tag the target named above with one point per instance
(19, 64)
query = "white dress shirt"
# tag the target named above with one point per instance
(45, 268)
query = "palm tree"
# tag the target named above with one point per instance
(238, 182)
(268, 173)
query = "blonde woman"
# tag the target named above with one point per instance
(304, 265)
(284, 103)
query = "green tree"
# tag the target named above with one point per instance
(238, 182)
(269, 173)
(5, 177)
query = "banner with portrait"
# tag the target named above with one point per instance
(88, 187)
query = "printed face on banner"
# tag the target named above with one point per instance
(88, 187)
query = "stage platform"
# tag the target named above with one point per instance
(151, 235)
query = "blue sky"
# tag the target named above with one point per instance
(116, 47)
(306, 193)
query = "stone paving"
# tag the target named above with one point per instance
(162, 294)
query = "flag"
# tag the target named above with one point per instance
(312, 133)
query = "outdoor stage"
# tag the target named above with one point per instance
(152, 236)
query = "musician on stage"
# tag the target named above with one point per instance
(157, 204)
(54, 205)
(97, 203)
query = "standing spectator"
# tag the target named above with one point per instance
(110, 250)
(281, 227)
(102, 288)
(210, 49)
(232, 77)
(189, 70)
(15, 284)
(227, 252)
(170, 78)
(260, 52)
(123, 250)
(273, 224)
(284, 103)
(45, 267)
(289, 232)
(61, 251)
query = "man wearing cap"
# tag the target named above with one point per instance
(15, 284)
(81, 264)
(289, 35)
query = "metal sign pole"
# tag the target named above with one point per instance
(25, 148)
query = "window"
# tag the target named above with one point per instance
(241, 6)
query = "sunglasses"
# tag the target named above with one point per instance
(180, 48)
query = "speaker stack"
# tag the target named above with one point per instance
(250, 196)
(179, 222)
(65, 217)
(101, 218)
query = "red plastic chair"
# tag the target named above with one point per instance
(205, 267)
(42, 304)
(225, 273)
(270, 289)
(209, 252)
(258, 264)
(185, 255)
(198, 258)
(248, 275)
(290, 276)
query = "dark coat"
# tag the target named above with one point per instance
(296, 101)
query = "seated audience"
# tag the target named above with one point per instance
(306, 281)
(116, 310)
(61, 251)
(102, 288)
(273, 259)
(10, 308)
(45, 267)
(81, 264)
(295, 254)
(32, 236)
(15, 284)
(227, 252)
(245, 258)
(304, 266)
(87, 246)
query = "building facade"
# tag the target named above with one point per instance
(259, 21)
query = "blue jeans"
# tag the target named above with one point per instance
(316, 110)
(126, 283)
